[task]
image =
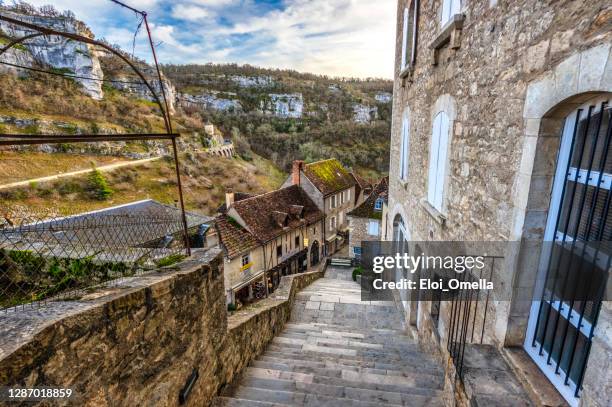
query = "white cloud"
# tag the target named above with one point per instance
(334, 37)
(189, 12)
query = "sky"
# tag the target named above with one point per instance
(332, 37)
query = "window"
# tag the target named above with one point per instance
(373, 228)
(378, 204)
(449, 9)
(297, 242)
(437, 160)
(348, 195)
(357, 251)
(314, 230)
(341, 217)
(245, 260)
(279, 250)
(404, 148)
(332, 202)
(341, 197)
(409, 34)
(332, 223)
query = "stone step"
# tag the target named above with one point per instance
(358, 366)
(348, 341)
(291, 398)
(346, 390)
(356, 334)
(319, 326)
(305, 373)
(234, 402)
(354, 352)
(322, 354)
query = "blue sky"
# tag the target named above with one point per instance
(333, 37)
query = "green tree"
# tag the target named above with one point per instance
(98, 186)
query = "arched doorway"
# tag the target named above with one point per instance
(314, 253)
(576, 252)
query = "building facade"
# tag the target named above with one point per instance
(366, 220)
(265, 237)
(500, 132)
(333, 189)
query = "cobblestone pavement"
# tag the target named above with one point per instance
(340, 351)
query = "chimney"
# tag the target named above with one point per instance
(229, 199)
(298, 165)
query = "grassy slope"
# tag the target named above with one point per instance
(18, 166)
(205, 180)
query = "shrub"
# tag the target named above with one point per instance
(357, 272)
(98, 185)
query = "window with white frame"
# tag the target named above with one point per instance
(341, 197)
(404, 148)
(246, 259)
(373, 227)
(348, 195)
(332, 222)
(378, 205)
(341, 217)
(332, 202)
(449, 9)
(409, 34)
(438, 159)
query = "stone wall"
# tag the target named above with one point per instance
(359, 232)
(506, 83)
(138, 341)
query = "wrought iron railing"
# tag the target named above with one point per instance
(48, 258)
(468, 314)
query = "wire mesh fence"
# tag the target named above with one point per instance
(45, 258)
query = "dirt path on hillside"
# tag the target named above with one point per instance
(55, 177)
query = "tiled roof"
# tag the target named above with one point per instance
(366, 209)
(238, 196)
(269, 215)
(235, 239)
(329, 176)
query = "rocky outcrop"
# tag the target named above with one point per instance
(384, 97)
(286, 105)
(59, 53)
(210, 101)
(252, 81)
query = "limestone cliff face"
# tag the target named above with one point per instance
(284, 105)
(69, 56)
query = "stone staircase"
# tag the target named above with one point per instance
(338, 351)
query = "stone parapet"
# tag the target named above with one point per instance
(138, 341)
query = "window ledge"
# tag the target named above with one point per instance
(406, 75)
(433, 212)
(450, 34)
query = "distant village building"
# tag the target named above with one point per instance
(268, 236)
(364, 114)
(219, 145)
(384, 97)
(365, 221)
(332, 188)
(363, 188)
(501, 128)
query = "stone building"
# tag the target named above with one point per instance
(333, 189)
(501, 120)
(265, 237)
(365, 221)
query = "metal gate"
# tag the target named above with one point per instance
(575, 258)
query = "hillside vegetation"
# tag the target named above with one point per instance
(326, 128)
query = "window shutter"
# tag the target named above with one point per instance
(433, 160)
(446, 10)
(442, 159)
(404, 39)
(456, 8)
